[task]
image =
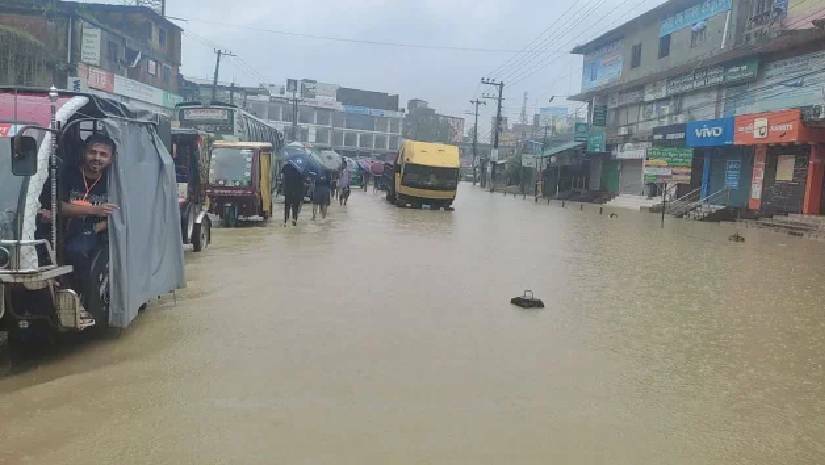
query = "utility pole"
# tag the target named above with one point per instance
(292, 86)
(499, 99)
(217, 68)
(476, 102)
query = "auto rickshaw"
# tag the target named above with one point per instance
(190, 150)
(139, 257)
(240, 181)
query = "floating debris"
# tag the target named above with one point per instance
(736, 238)
(528, 300)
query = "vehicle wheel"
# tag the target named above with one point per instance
(98, 292)
(189, 232)
(200, 235)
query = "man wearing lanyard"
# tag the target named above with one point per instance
(85, 204)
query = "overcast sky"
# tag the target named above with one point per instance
(448, 79)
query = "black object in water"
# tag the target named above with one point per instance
(527, 300)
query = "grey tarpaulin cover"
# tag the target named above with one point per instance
(146, 252)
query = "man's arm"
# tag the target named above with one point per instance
(72, 210)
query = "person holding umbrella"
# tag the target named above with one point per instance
(294, 189)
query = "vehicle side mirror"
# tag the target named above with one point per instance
(23, 156)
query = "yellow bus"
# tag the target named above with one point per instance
(425, 174)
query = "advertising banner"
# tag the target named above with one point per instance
(710, 133)
(693, 15)
(773, 127)
(596, 140)
(786, 83)
(739, 71)
(603, 66)
(631, 151)
(801, 13)
(580, 132)
(90, 45)
(96, 78)
(672, 135)
(670, 156)
(733, 170)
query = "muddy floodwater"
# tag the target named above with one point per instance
(385, 336)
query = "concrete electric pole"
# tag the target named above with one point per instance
(494, 151)
(217, 69)
(476, 102)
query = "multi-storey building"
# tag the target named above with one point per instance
(721, 99)
(130, 53)
(352, 122)
(425, 124)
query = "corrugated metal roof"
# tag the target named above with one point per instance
(561, 148)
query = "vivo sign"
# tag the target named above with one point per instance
(710, 133)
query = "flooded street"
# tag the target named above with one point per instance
(385, 336)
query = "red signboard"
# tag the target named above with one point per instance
(775, 127)
(97, 78)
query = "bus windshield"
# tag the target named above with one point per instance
(430, 177)
(231, 167)
(10, 191)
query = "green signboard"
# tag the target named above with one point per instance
(580, 132)
(672, 156)
(596, 140)
(742, 71)
(600, 115)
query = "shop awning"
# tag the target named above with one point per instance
(556, 149)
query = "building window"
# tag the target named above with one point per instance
(337, 138)
(380, 142)
(321, 136)
(324, 117)
(393, 142)
(394, 126)
(636, 57)
(132, 57)
(350, 139)
(162, 38)
(306, 115)
(593, 72)
(113, 52)
(365, 140)
(152, 67)
(664, 46)
(166, 73)
(698, 36)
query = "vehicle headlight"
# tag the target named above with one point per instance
(5, 257)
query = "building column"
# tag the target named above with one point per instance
(813, 184)
(705, 175)
(760, 157)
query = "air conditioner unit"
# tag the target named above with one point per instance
(624, 130)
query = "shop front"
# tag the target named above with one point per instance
(669, 162)
(628, 160)
(788, 168)
(668, 168)
(724, 170)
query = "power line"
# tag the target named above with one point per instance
(532, 44)
(354, 41)
(584, 13)
(540, 65)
